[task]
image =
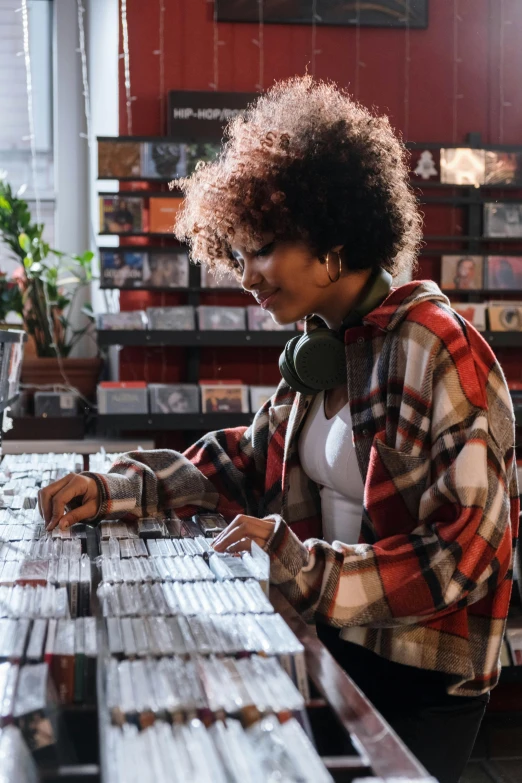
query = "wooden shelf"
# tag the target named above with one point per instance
(195, 338)
(207, 422)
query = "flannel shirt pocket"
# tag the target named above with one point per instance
(394, 487)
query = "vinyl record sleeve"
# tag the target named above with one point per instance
(122, 268)
(462, 273)
(504, 273)
(212, 318)
(122, 215)
(502, 219)
(224, 399)
(166, 269)
(119, 159)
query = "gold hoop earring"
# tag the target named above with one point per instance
(328, 269)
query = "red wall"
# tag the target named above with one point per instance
(463, 75)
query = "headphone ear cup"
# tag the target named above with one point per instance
(287, 367)
(320, 360)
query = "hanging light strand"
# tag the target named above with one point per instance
(30, 112)
(161, 55)
(260, 42)
(315, 51)
(357, 47)
(501, 71)
(215, 83)
(407, 61)
(456, 61)
(126, 63)
(85, 79)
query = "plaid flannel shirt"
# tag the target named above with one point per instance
(429, 583)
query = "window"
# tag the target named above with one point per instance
(15, 147)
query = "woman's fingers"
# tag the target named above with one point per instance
(241, 527)
(80, 514)
(45, 497)
(244, 545)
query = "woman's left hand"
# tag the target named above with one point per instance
(238, 536)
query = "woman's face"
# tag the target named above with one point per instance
(289, 281)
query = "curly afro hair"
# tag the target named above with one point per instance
(304, 162)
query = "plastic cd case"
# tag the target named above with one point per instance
(174, 398)
(131, 319)
(172, 319)
(212, 318)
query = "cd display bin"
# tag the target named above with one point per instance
(327, 710)
(351, 737)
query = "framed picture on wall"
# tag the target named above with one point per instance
(379, 13)
(502, 219)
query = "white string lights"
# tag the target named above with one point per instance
(456, 61)
(126, 61)
(501, 86)
(260, 43)
(407, 61)
(85, 79)
(30, 112)
(357, 47)
(315, 51)
(160, 52)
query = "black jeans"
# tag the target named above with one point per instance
(439, 729)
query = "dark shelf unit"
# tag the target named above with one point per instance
(182, 422)
(195, 338)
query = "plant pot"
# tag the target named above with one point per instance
(83, 374)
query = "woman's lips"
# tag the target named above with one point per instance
(268, 301)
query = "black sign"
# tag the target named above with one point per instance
(202, 116)
(377, 13)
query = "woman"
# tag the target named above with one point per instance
(388, 502)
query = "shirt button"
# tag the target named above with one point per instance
(360, 340)
(366, 433)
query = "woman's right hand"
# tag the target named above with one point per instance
(76, 494)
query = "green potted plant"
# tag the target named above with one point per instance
(48, 283)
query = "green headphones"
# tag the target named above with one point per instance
(317, 361)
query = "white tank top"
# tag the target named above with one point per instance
(328, 457)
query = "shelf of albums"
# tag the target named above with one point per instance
(474, 257)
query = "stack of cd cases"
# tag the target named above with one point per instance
(193, 659)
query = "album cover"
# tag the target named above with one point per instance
(502, 220)
(462, 273)
(122, 268)
(505, 316)
(127, 319)
(119, 159)
(462, 166)
(170, 160)
(210, 279)
(474, 313)
(174, 319)
(162, 214)
(425, 165)
(204, 152)
(174, 398)
(504, 273)
(514, 640)
(122, 397)
(55, 404)
(224, 397)
(166, 269)
(121, 215)
(503, 168)
(259, 395)
(221, 318)
(260, 320)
